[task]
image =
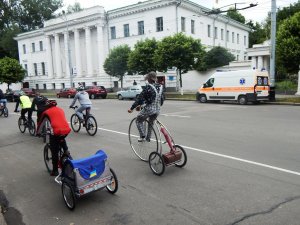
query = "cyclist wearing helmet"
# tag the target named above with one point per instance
(40, 102)
(84, 100)
(152, 96)
(25, 105)
(54, 118)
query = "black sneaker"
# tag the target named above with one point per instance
(54, 173)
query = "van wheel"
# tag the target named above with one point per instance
(202, 99)
(242, 100)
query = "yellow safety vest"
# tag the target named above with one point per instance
(25, 102)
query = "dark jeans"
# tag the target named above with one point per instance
(56, 143)
(24, 111)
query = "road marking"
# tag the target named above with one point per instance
(175, 115)
(223, 156)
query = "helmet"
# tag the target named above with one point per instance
(21, 93)
(80, 88)
(50, 103)
(151, 76)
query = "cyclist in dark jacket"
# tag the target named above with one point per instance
(39, 105)
(152, 97)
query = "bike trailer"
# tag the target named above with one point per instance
(86, 175)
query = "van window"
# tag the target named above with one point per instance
(262, 81)
(209, 83)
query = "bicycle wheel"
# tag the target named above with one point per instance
(5, 112)
(68, 195)
(142, 149)
(31, 127)
(75, 123)
(183, 160)
(156, 163)
(91, 125)
(21, 124)
(48, 157)
(113, 187)
(1, 111)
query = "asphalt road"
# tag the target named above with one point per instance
(243, 168)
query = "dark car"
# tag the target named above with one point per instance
(96, 91)
(12, 96)
(67, 93)
(30, 92)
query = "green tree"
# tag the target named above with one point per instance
(217, 57)
(178, 51)
(8, 46)
(236, 15)
(288, 45)
(116, 62)
(76, 7)
(141, 58)
(11, 71)
(257, 34)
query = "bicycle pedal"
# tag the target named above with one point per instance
(164, 142)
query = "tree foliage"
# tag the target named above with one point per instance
(178, 51)
(116, 62)
(76, 7)
(257, 34)
(288, 45)
(11, 71)
(141, 59)
(236, 15)
(216, 57)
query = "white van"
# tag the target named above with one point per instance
(242, 86)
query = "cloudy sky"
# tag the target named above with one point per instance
(257, 13)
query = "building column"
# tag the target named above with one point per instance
(57, 56)
(49, 57)
(77, 53)
(253, 62)
(88, 51)
(101, 50)
(260, 62)
(66, 43)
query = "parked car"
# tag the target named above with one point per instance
(29, 91)
(130, 92)
(67, 93)
(96, 91)
(12, 96)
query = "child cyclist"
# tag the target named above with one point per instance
(59, 129)
(152, 96)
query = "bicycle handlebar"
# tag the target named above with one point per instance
(74, 107)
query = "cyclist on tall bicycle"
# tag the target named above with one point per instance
(84, 100)
(152, 98)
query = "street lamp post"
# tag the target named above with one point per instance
(69, 51)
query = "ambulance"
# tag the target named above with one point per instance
(242, 86)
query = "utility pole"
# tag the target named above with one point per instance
(273, 47)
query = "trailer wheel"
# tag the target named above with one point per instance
(242, 100)
(202, 98)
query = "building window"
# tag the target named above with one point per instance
(227, 36)
(37, 86)
(193, 26)
(141, 27)
(113, 32)
(95, 83)
(45, 86)
(53, 86)
(232, 37)
(159, 24)
(43, 68)
(24, 49)
(41, 46)
(63, 85)
(126, 30)
(238, 38)
(237, 57)
(208, 30)
(26, 69)
(33, 47)
(183, 24)
(216, 33)
(245, 40)
(35, 69)
(222, 34)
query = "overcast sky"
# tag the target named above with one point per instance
(258, 13)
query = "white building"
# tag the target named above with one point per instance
(81, 41)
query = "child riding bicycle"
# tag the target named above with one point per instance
(152, 96)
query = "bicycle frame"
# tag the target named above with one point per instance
(166, 133)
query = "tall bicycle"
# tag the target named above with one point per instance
(89, 122)
(151, 149)
(24, 123)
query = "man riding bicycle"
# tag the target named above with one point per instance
(3, 100)
(25, 106)
(38, 102)
(152, 96)
(54, 118)
(84, 100)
